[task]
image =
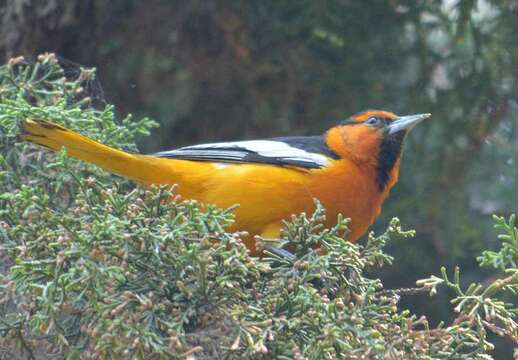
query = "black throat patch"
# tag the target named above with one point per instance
(390, 150)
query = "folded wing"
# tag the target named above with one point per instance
(309, 152)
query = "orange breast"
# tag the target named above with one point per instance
(345, 188)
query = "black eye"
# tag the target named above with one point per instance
(373, 121)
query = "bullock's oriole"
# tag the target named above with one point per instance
(350, 169)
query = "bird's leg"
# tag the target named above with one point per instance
(282, 253)
(270, 240)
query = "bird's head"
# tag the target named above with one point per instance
(374, 138)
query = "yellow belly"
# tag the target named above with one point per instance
(268, 194)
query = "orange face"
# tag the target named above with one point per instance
(360, 137)
(373, 140)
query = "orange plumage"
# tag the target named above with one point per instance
(351, 170)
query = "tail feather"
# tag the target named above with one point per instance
(53, 136)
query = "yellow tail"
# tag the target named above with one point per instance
(137, 167)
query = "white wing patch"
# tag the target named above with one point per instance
(220, 165)
(258, 151)
(268, 148)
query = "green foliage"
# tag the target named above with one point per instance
(93, 268)
(477, 306)
(506, 257)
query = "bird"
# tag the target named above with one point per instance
(350, 169)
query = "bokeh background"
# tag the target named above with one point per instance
(212, 70)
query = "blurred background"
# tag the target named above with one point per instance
(211, 70)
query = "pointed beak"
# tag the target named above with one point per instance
(406, 122)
